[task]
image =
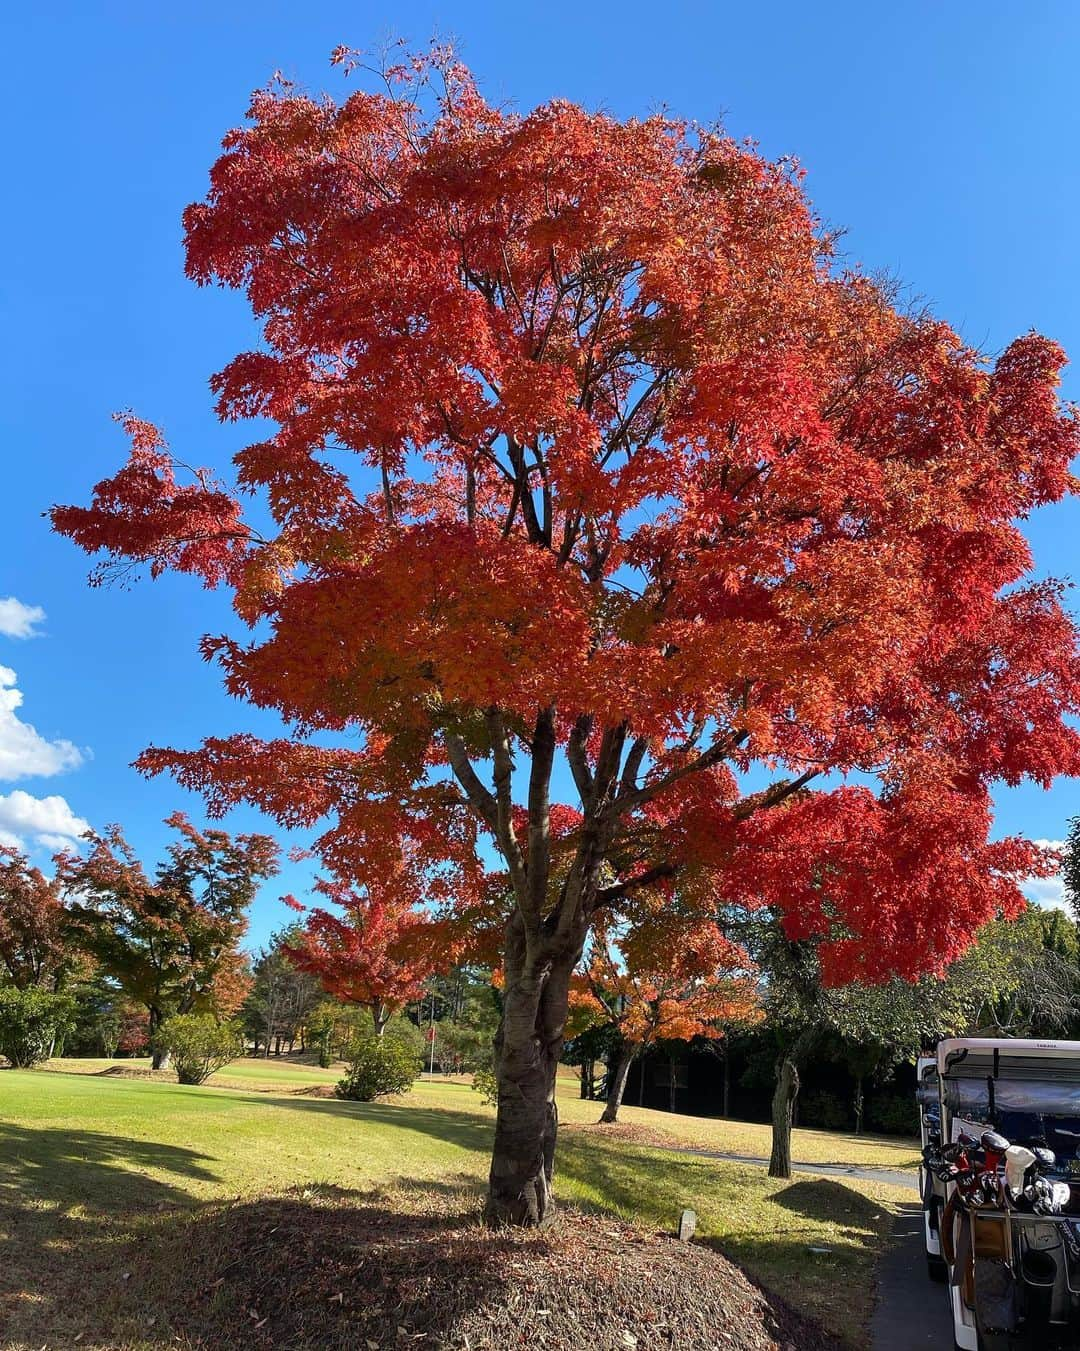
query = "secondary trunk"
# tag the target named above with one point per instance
(527, 1049)
(783, 1103)
(617, 1083)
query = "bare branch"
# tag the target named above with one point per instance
(773, 796)
(539, 849)
(628, 782)
(650, 875)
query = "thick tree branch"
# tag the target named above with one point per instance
(504, 813)
(628, 781)
(772, 797)
(654, 874)
(718, 751)
(579, 762)
(480, 798)
(539, 848)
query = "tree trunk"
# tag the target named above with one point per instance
(527, 1049)
(617, 1085)
(673, 1081)
(858, 1104)
(787, 1088)
(586, 1079)
(159, 1059)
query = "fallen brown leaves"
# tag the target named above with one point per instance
(331, 1270)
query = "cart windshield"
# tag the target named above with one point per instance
(1023, 1110)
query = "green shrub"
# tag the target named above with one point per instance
(893, 1114)
(380, 1065)
(486, 1084)
(31, 1021)
(199, 1044)
(827, 1111)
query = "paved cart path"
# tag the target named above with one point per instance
(912, 1311)
(893, 1177)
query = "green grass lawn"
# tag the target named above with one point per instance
(93, 1166)
(748, 1138)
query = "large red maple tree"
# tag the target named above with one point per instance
(593, 475)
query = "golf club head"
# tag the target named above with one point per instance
(1045, 1158)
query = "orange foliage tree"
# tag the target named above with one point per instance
(594, 483)
(652, 985)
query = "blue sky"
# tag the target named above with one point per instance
(942, 137)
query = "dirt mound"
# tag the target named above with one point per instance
(136, 1072)
(327, 1271)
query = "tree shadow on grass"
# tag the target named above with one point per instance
(92, 1170)
(70, 1203)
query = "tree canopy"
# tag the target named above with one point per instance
(586, 450)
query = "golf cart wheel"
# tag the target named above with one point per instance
(936, 1268)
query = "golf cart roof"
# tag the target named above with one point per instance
(1008, 1058)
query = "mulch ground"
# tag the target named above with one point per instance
(329, 1271)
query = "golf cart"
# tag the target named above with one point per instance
(1001, 1190)
(932, 1188)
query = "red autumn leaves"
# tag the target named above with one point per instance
(577, 414)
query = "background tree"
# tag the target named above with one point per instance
(1010, 982)
(585, 451)
(33, 950)
(333, 1025)
(171, 943)
(371, 954)
(596, 1044)
(651, 987)
(281, 998)
(1021, 978)
(464, 1007)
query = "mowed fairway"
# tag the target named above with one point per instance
(99, 1174)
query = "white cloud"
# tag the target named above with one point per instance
(1049, 892)
(23, 751)
(48, 821)
(18, 620)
